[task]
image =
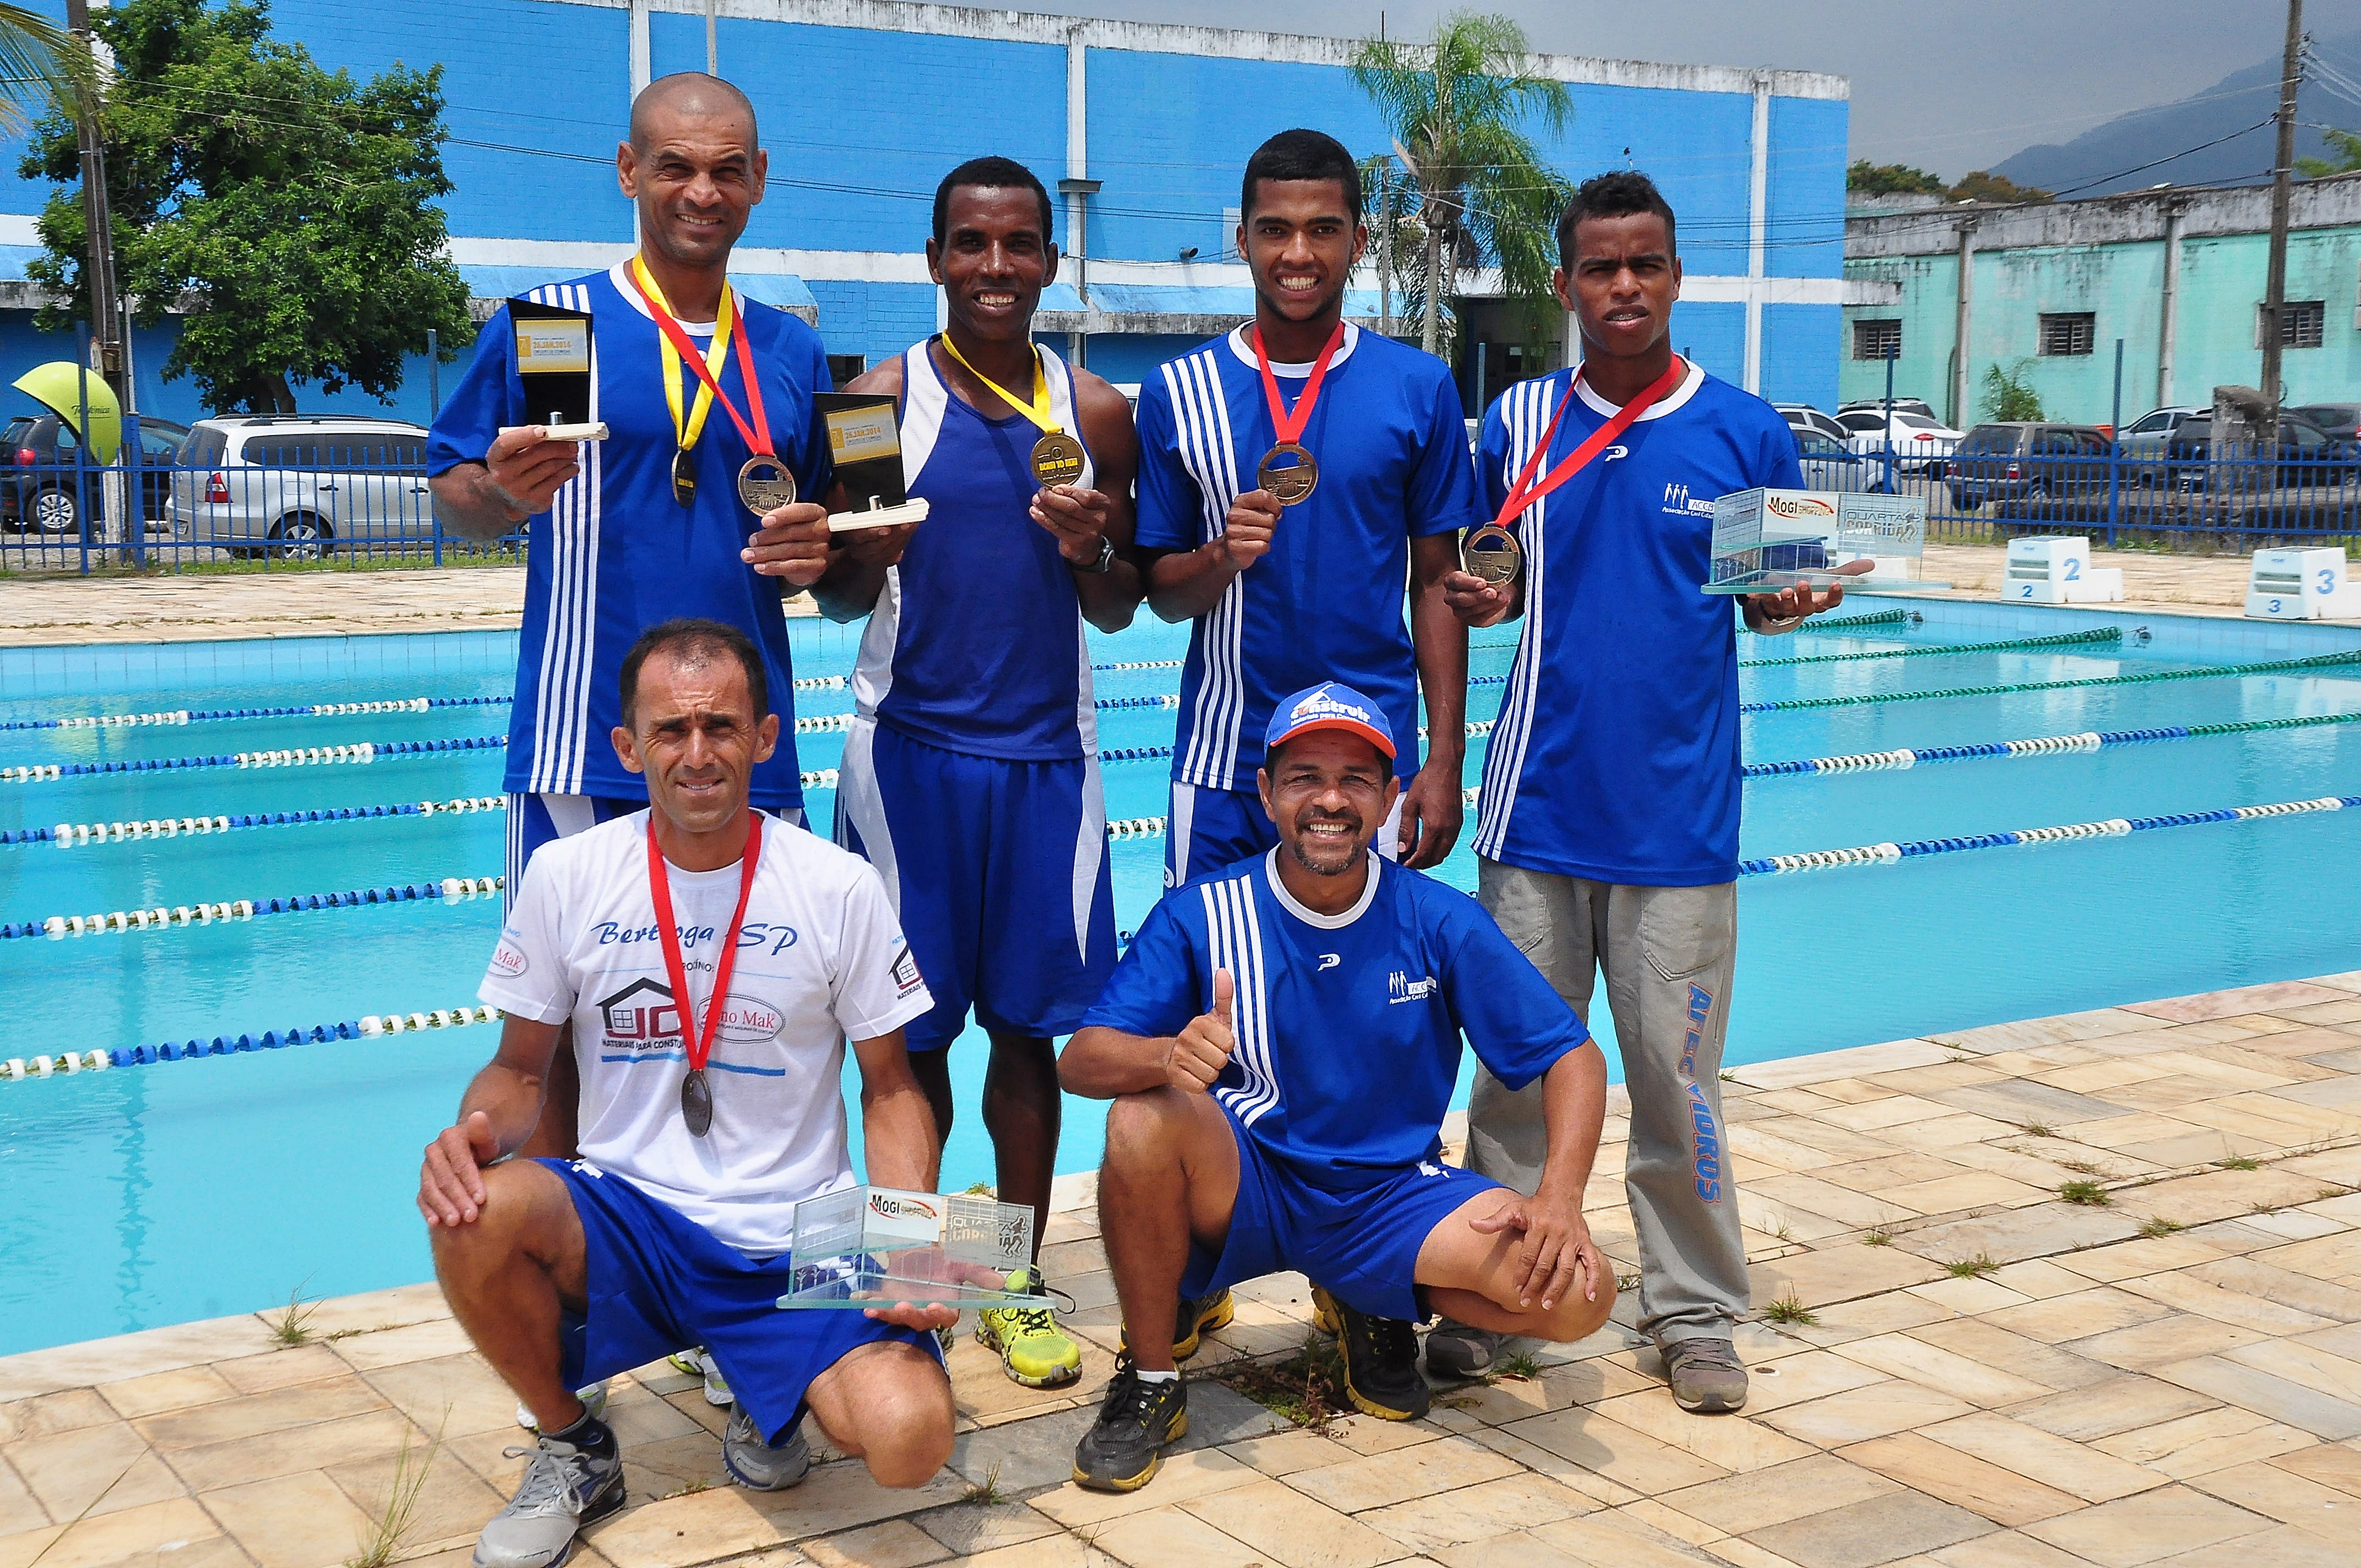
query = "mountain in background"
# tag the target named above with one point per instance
(2108, 158)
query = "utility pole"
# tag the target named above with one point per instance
(106, 314)
(2275, 280)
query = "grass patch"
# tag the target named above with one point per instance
(1307, 1388)
(290, 1325)
(986, 1493)
(2037, 1130)
(2089, 1194)
(1520, 1367)
(1789, 1310)
(387, 1525)
(1625, 1283)
(1974, 1268)
(1784, 1233)
(2160, 1227)
(2238, 1162)
(1878, 1237)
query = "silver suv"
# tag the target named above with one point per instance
(292, 486)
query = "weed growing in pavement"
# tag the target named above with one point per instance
(1789, 1310)
(2264, 1209)
(1784, 1233)
(1878, 1237)
(2039, 1130)
(986, 1493)
(1308, 1388)
(1520, 1367)
(2080, 1167)
(2088, 1193)
(290, 1325)
(2160, 1227)
(1626, 1282)
(1974, 1268)
(386, 1526)
(687, 1489)
(2238, 1162)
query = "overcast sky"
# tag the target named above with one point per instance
(1950, 87)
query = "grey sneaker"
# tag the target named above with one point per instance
(566, 1487)
(1706, 1376)
(754, 1463)
(1453, 1349)
(699, 1363)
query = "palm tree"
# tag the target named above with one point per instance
(41, 66)
(1456, 106)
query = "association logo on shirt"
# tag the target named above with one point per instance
(507, 957)
(1399, 987)
(905, 973)
(640, 1016)
(1678, 503)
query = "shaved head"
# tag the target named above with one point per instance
(687, 94)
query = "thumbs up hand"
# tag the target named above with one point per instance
(1203, 1050)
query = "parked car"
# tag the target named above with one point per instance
(2148, 439)
(2018, 460)
(1830, 465)
(2307, 456)
(1877, 405)
(2337, 419)
(290, 486)
(48, 499)
(1802, 417)
(1919, 442)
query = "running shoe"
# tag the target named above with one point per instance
(696, 1361)
(1033, 1349)
(1198, 1316)
(1456, 1350)
(1381, 1360)
(1125, 1444)
(568, 1485)
(758, 1465)
(1706, 1376)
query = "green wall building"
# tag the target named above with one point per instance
(2177, 273)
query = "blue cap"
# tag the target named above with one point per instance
(1330, 704)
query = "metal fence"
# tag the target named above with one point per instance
(2215, 498)
(312, 501)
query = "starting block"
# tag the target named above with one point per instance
(2056, 569)
(2301, 584)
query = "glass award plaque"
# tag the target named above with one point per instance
(1767, 540)
(866, 445)
(877, 1246)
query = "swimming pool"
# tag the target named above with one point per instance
(155, 1194)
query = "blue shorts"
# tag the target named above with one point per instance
(536, 820)
(1362, 1243)
(1210, 829)
(999, 872)
(659, 1282)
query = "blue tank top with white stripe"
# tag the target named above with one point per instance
(976, 643)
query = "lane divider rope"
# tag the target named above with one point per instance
(450, 889)
(2038, 746)
(2107, 634)
(66, 835)
(2322, 662)
(837, 723)
(290, 757)
(216, 715)
(16, 1069)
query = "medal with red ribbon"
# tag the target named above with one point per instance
(1491, 552)
(764, 482)
(1292, 482)
(697, 1043)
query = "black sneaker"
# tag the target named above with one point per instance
(1381, 1360)
(1198, 1316)
(1125, 1444)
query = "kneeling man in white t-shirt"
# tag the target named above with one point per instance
(702, 1125)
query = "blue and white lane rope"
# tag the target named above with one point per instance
(66, 835)
(2322, 663)
(16, 1068)
(214, 715)
(1894, 854)
(449, 889)
(2042, 745)
(286, 757)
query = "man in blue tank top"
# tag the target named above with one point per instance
(1294, 574)
(1606, 832)
(971, 774)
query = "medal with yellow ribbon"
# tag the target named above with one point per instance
(764, 482)
(1056, 456)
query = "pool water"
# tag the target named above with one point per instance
(153, 1195)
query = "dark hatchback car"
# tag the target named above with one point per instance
(42, 497)
(2020, 460)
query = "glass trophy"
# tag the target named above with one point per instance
(1767, 540)
(877, 1246)
(866, 445)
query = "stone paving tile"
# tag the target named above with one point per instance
(1913, 1460)
(2134, 1531)
(2201, 1443)
(1866, 1534)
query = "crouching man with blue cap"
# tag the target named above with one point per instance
(1281, 1043)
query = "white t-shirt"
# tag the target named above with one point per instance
(820, 959)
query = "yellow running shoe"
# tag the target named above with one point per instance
(1033, 1349)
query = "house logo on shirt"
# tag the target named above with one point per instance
(1399, 987)
(640, 1016)
(905, 973)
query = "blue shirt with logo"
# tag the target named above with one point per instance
(1326, 602)
(1347, 1026)
(1615, 755)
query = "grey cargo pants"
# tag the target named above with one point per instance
(1667, 953)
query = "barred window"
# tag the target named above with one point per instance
(2302, 322)
(1877, 340)
(2067, 333)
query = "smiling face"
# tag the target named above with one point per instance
(692, 730)
(1300, 241)
(1329, 792)
(1624, 281)
(697, 174)
(994, 260)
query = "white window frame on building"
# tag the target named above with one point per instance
(2303, 324)
(1882, 334)
(2068, 334)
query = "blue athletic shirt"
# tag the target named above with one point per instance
(1615, 755)
(615, 553)
(976, 642)
(1347, 1026)
(1326, 603)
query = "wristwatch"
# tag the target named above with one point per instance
(1103, 562)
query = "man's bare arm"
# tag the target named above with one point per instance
(518, 478)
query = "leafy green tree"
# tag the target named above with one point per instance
(2346, 162)
(1476, 185)
(2009, 394)
(289, 208)
(1867, 179)
(1985, 186)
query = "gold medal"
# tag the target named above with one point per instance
(1288, 482)
(684, 479)
(1492, 554)
(1057, 459)
(765, 485)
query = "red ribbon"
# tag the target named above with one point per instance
(697, 1043)
(758, 436)
(1289, 423)
(1526, 490)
